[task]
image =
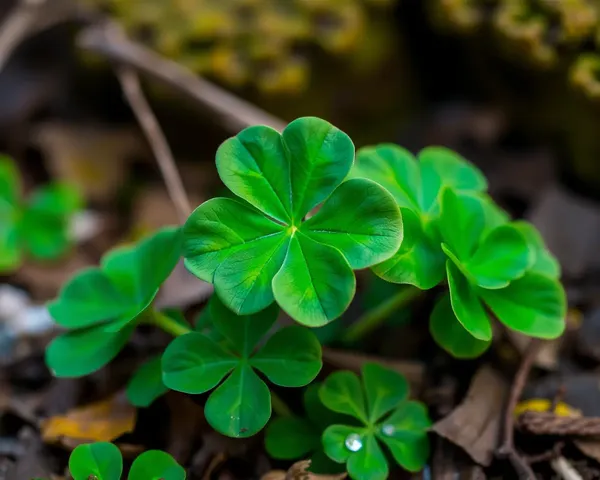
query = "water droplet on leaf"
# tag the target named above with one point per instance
(353, 442)
(388, 430)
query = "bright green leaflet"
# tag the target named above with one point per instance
(125, 284)
(258, 249)
(37, 227)
(241, 404)
(382, 406)
(449, 334)
(100, 460)
(544, 262)
(146, 385)
(416, 184)
(156, 465)
(83, 351)
(292, 437)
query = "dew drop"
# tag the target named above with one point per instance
(388, 430)
(353, 442)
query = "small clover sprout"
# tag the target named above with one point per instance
(386, 416)
(100, 306)
(260, 248)
(103, 461)
(241, 405)
(292, 437)
(454, 231)
(38, 226)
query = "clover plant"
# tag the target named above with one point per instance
(453, 231)
(103, 461)
(37, 226)
(385, 415)
(241, 405)
(260, 247)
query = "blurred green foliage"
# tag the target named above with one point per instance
(243, 42)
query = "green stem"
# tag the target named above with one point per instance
(373, 318)
(279, 406)
(169, 325)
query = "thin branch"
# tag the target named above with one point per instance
(235, 113)
(132, 89)
(507, 448)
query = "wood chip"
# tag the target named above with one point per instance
(299, 471)
(475, 424)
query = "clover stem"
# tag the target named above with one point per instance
(279, 406)
(169, 325)
(373, 318)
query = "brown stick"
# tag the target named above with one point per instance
(507, 448)
(132, 89)
(235, 113)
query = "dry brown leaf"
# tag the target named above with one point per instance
(299, 471)
(589, 447)
(412, 370)
(97, 422)
(475, 424)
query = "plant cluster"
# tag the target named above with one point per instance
(303, 216)
(103, 461)
(545, 33)
(247, 41)
(36, 227)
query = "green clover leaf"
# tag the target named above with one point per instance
(240, 406)
(99, 460)
(293, 437)
(103, 461)
(156, 465)
(37, 227)
(505, 267)
(381, 405)
(416, 184)
(258, 249)
(124, 285)
(146, 385)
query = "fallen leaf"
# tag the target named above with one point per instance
(97, 422)
(561, 409)
(589, 447)
(475, 424)
(412, 370)
(299, 471)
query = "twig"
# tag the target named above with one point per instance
(235, 113)
(548, 423)
(565, 469)
(132, 89)
(507, 448)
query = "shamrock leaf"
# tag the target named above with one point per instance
(293, 437)
(146, 385)
(37, 227)
(258, 249)
(386, 416)
(156, 465)
(416, 184)
(125, 284)
(99, 460)
(498, 267)
(240, 406)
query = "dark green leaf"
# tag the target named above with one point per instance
(243, 331)
(146, 385)
(534, 304)
(449, 334)
(384, 389)
(466, 304)
(101, 460)
(334, 441)
(343, 393)
(44, 235)
(369, 462)
(315, 284)
(193, 363)
(81, 352)
(241, 406)
(10, 181)
(290, 358)
(156, 465)
(361, 220)
(289, 438)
